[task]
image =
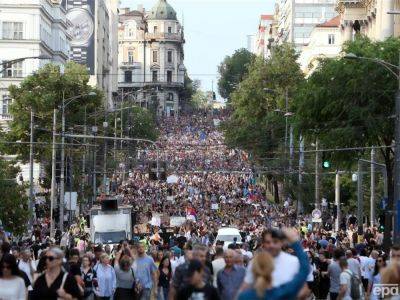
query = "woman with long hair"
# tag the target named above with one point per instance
(165, 275)
(12, 286)
(263, 266)
(380, 263)
(123, 266)
(54, 283)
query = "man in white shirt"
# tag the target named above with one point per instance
(26, 264)
(354, 264)
(287, 265)
(218, 263)
(345, 280)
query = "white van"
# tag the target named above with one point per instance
(227, 235)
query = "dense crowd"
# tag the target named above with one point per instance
(279, 255)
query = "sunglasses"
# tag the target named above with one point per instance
(50, 258)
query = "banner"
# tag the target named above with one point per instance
(177, 221)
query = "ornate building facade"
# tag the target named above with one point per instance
(369, 17)
(151, 58)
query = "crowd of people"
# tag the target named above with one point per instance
(279, 255)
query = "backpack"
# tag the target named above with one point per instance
(354, 286)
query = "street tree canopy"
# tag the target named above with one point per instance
(233, 70)
(14, 212)
(42, 92)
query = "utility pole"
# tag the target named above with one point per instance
(83, 167)
(301, 168)
(337, 200)
(105, 126)
(317, 175)
(31, 183)
(53, 174)
(94, 129)
(360, 199)
(372, 203)
(62, 172)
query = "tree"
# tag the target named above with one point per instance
(347, 103)
(190, 88)
(14, 212)
(233, 70)
(199, 99)
(42, 92)
(255, 126)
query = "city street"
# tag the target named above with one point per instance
(199, 150)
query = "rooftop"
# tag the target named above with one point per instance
(334, 22)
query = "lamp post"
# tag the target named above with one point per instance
(396, 196)
(65, 103)
(7, 64)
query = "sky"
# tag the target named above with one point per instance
(213, 30)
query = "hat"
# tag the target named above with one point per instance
(194, 266)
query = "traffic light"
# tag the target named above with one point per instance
(326, 160)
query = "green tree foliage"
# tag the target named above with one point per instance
(14, 213)
(255, 126)
(199, 99)
(348, 103)
(233, 70)
(42, 92)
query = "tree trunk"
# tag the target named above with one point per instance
(276, 190)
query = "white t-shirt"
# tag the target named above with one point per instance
(367, 266)
(217, 264)
(12, 289)
(286, 267)
(24, 266)
(345, 278)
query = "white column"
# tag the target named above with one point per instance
(348, 31)
(387, 24)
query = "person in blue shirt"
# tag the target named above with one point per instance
(263, 266)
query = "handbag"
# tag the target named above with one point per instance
(137, 286)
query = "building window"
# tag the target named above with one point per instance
(169, 29)
(155, 56)
(170, 97)
(15, 71)
(169, 76)
(13, 30)
(169, 56)
(331, 39)
(130, 57)
(128, 76)
(6, 101)
(155, 76)
(155, 29)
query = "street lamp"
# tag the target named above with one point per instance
(9, 63)
(396, 197)
(65, 103)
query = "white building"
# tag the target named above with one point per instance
(370, 18)
(265, 36)
(93, 27)
(29, 28)
(151, 58)
(297, 18)
(325, 42)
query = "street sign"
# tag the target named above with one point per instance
(316, 214)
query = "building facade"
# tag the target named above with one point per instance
(265, 35)
(29, 28)
(92, 25)
(325, 42)
(151, 58)
(297, 18)
(370, 18)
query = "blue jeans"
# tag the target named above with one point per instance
(146, 293)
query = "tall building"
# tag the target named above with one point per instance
(151, 58)
(94, 34)
(297, 18)
(29, 28)
(370, 18)
(265, 35)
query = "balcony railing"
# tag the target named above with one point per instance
(164, 36)
(5, 117)
(131, 64)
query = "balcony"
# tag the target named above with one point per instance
(177, 37)
(161, 84)
(5, 117)
(342, 4)
(130, 65)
